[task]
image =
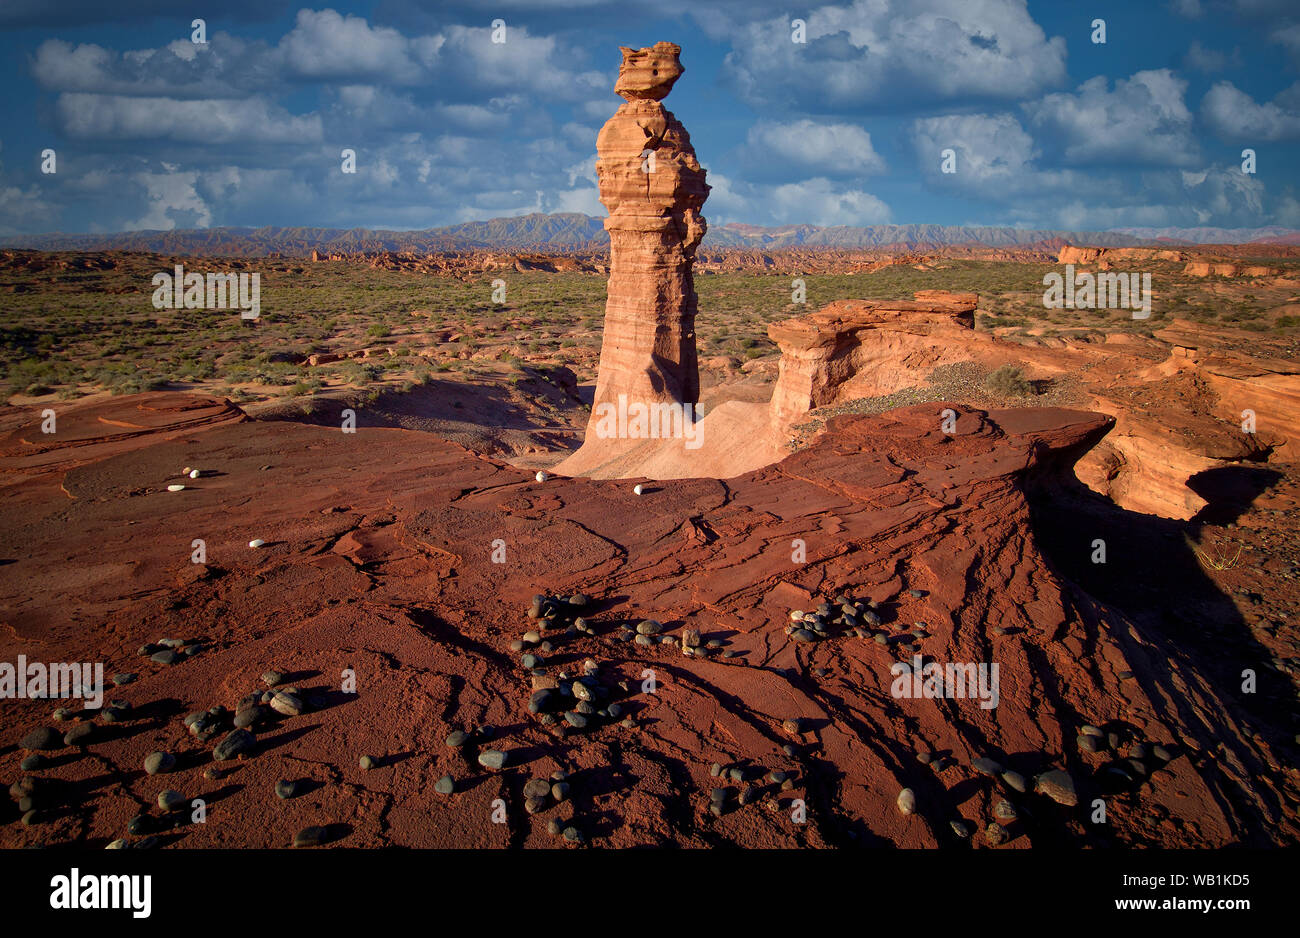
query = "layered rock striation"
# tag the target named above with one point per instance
(654, 188)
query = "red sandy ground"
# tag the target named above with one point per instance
(378, 558)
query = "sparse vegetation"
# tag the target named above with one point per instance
(1009, 380)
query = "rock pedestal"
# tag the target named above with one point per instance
(653, 187)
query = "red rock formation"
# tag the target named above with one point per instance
(862, 348)
(654, 189)
(376, 560)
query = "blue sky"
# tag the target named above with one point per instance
(1050, 129)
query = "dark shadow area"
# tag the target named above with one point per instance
(1154, 576)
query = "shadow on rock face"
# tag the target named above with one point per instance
(1229, 491)
(1190, 644)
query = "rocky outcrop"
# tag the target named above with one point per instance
(1104, 257)
(862, 348)
(653, 187)
(376, 560)
(1223, 269)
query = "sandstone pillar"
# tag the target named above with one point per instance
(653, 187)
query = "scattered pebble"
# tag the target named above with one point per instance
(310, 837)
(286, 789)
(907, 801)
(1057, 785)
(236, 743)
(368, 762)
(79, 735)
(541, 476)
(287, 704)
(492, 759)
(445, 785)
(159, 763)
(256, 543)
(457, 738)
(43, 738)
(171, 800)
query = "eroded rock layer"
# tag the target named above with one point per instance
(653, 187)
(379, 560)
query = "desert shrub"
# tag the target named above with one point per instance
(1010, 380)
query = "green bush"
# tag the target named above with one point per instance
(1009, 380)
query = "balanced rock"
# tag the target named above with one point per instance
(653, 186)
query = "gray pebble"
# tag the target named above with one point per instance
(234, 744)
(159, 763)
(493, 759)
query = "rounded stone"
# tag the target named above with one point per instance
(42, 738)
(249, 716)
(285, 789)
(368, 762)
(457, 738)
(312, 836)
(159, 763)
(1005, 812)
(907, 801)
(492, 759)
(445, 785)
(537, 788)
(985, 766)
(1057, 785)
(271, 678)
(1015, 780)
(575, 719)
(235, 743)
(287, 704)
(171, 800)
(649, 627)
(79, 735)
(32, 762)
(560, 791)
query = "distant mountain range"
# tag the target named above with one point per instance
(565, 232)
